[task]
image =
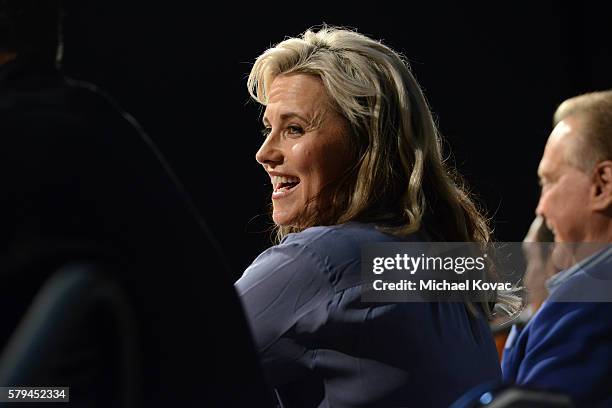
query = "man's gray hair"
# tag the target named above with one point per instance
(594, 111)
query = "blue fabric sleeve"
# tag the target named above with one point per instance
(569, 350)
(285, 294)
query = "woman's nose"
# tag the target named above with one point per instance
(269, 152)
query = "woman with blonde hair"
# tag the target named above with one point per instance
(354, 157)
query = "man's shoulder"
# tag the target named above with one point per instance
(46, 94)
(59, 115)
(567, 320)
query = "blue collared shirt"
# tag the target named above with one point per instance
(321, 346)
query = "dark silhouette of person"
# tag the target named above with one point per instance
(81, 182)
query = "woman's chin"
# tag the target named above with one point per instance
(281, 219)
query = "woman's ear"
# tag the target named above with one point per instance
(601, 196)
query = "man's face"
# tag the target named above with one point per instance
(565, 188)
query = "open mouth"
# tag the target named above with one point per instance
(284, 184)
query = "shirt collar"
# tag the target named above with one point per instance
(558, 279)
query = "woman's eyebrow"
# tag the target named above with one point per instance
(313, 122)
(290, 115)
(287, 115)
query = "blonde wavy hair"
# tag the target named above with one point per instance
(399, 180)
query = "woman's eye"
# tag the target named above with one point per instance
(266, 131)
(295, 130)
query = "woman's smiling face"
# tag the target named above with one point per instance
(306, 146)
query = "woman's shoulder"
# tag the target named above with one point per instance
(329, 237)
(337, 248)
(320, 248)
(343, 239)
(334, 251)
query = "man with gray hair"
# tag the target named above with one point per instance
(567, 346)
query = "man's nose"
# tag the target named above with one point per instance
(541, 208)
(270, 153)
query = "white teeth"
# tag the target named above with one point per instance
(278, 181)
(281, 179)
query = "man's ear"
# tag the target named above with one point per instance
(601, 197)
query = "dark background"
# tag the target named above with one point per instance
(493, 76)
